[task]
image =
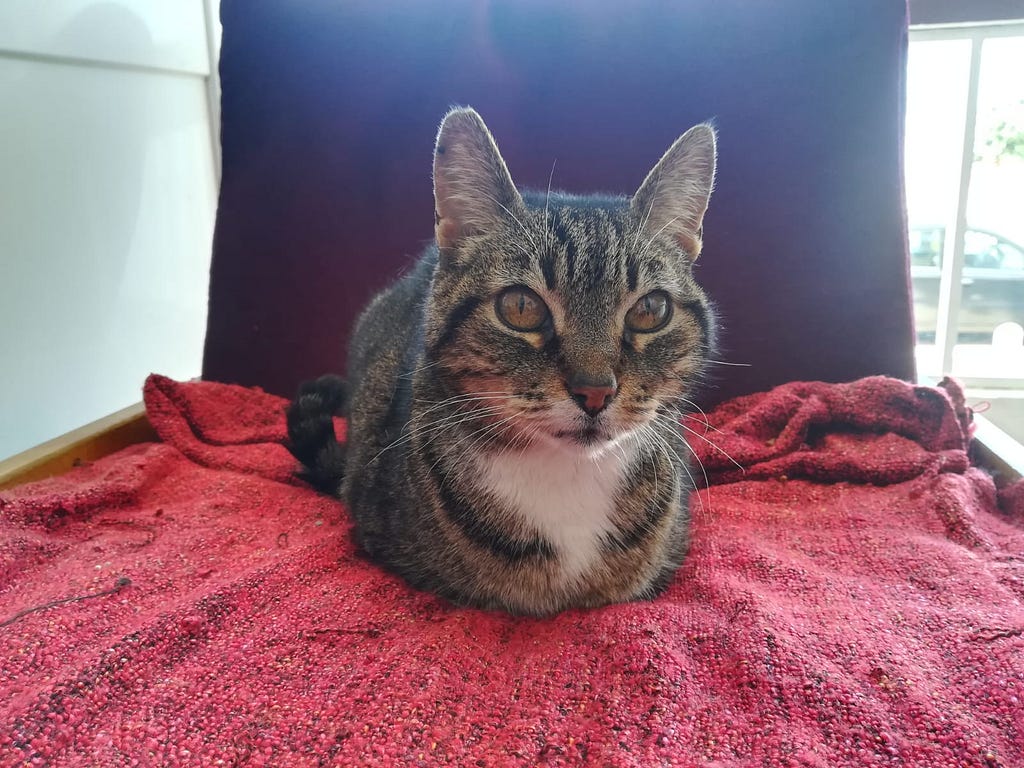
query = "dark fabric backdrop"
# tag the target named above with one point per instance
(330, 110)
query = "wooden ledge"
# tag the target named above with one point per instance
(997, 452)
(93, 441)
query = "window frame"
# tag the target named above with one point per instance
(952, 264)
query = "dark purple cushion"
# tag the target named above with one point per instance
(330, 110)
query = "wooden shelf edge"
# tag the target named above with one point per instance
(997, 452)
(93, 441)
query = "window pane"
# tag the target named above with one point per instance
(937, 75)
(989, 333)
(993, 291)
(991, 322)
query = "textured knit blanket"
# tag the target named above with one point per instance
(854, 597)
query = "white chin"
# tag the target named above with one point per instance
(586, 442)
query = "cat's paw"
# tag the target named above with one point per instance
(311, 437)
(327, 394)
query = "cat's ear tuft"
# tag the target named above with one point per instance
(674, 196)
(473, 190)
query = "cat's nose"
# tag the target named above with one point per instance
(592, 393)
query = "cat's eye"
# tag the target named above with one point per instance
(521, 309)
(650, 313)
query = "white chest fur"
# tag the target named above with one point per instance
(566, 496)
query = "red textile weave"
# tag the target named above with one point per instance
(854, 598)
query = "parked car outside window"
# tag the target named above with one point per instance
(992, 282)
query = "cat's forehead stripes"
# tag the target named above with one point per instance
(586, 252)
(632, 270)
(589, 243)
(593, 253)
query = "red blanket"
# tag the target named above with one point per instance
(854, 597)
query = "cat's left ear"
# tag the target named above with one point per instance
(674, 196)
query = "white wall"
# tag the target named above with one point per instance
(108, 185)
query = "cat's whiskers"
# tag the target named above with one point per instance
(414, 425)
(480, 411)
(706, 422)
(460, 394)
(662, 442)
(723, 362)
(643, 223)
(434, 428)
(439, 425)
(707, 482)
(621, 449)
(479, 437)
(644, 428)
(669, 424)
(521, 440)
(414, 371)
(457, 417)
(687, 401)
(460, 400)
(474, 438)
(523, 250)
(548, 232)
(671, 432)
(655, 236)
(514, 218)
(713, 445)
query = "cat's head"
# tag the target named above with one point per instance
(571, 320)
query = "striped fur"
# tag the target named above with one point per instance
(471, 470)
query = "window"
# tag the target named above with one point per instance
(965, 199)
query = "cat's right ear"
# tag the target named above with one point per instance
(473, 190)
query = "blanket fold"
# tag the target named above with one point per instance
(854, 596)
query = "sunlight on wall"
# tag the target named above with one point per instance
(107, 204)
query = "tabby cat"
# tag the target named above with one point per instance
(513, 401)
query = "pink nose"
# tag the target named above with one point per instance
(593, 394)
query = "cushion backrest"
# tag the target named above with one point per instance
(330, 111)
